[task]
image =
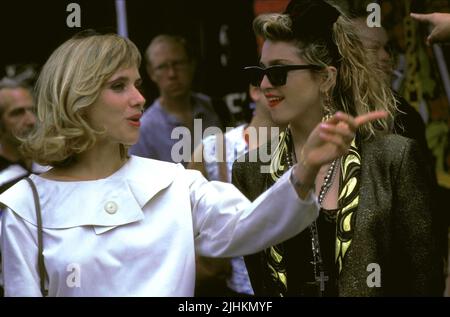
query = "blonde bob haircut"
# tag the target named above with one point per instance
(70, 81)
(359, 86)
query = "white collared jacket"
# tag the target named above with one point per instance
(136, 232)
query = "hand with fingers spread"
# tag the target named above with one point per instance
(440, 23)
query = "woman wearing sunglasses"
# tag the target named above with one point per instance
(373, 236)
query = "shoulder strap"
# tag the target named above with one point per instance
(41, 265)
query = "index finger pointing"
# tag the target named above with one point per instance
(371, 116)
(420, 17)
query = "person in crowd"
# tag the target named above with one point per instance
(407, 121)
(103, 223)
(171, 66)
(374, 234)
(16, 120)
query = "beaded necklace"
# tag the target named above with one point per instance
(320, 276)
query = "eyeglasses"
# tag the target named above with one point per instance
(276, 74)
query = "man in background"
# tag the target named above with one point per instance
(171, 66)
(17, 118)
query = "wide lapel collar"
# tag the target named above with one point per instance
(148, 177)
(104, 204)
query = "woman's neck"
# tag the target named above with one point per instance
(258, 121)
(300, 131)
(96, 163)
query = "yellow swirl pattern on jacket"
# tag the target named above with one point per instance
(347, 202)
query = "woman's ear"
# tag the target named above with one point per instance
(328, 79)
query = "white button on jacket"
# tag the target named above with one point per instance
(111, 207)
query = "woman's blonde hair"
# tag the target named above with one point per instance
(70, 81)
(359, 88)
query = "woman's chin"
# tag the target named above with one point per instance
(130, 141)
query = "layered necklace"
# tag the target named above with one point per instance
(320, 276)
(349, 166)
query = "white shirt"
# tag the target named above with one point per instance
(136, 232)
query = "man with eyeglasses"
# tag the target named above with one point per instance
(170, 65)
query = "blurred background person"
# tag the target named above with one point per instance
(171, 66)
(407, 121)
(17, 119)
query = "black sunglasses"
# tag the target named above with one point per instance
(276, 74)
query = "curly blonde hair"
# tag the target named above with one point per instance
(71, 81)
(359, 87)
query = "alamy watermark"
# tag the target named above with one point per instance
(374, 278)
(182, 150)
(374, 17)
(73, 279)
(73, 20)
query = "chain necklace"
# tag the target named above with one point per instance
(318, 268)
